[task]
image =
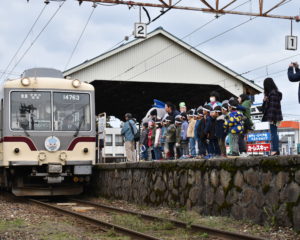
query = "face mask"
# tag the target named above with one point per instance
(212, 99)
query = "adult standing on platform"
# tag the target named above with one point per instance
(294, 77)
(128, 131)
(272, 111)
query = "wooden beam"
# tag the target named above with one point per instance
(161, 4)
(233, 1)
(207, 4)
(276, 6)
(261, 6)
(164, 3)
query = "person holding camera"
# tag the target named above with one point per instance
(294, 76)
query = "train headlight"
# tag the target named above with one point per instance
(76, 83)
(25, 81)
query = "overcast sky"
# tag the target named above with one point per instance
(257, 43)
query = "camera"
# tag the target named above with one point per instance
(295, 64)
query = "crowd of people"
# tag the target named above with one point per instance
(202, 132)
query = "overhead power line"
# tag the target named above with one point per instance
(36, 38)
(80, 36)
(24, 40)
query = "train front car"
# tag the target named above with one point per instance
(48, 137)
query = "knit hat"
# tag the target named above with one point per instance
(150, 123)
(191, 113)
(207, 108)
(233, 103)
(183, 116)
(178, 119)
(225, 106)
(217, 109)
(182, 104)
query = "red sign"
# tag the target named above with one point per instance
(259, 147)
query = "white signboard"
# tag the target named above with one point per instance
(291, 42)
(258, 126)
(140, 30)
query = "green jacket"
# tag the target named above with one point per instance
(247, 104)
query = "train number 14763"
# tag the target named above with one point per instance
(71, 97)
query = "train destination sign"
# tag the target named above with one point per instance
(266, 147)
(253, 137)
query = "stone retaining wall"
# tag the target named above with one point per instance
(261, 189)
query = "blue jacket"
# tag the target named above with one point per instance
(210, 127)
(294, 77)
(184, 127)
(220, 130)
(127, 132)
(196, 129)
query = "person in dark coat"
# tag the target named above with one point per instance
(294, 77)
(272, 111)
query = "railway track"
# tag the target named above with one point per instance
(220, 234)
(104, 226)
(215, 234)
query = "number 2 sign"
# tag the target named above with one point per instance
(291, 43)
(140, 30)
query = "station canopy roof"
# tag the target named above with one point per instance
(161, 66)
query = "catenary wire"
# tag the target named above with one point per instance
(189, 34)
(24, 40)
(36, 38)
(210, 39)
(80, 36)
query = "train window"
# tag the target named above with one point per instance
(31, 111)
(119, 140)
(71, 111)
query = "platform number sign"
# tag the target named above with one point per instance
(291, 42)
(140, 30)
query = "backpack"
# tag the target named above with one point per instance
(136, 136)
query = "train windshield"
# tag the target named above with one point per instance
(31, 111)
(71, 111)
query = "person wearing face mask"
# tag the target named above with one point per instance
(214, 99)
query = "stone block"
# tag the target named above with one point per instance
(290, 193)
(198, 177)
(232, 196)
(272, 197)
(281, 179)
(239, 179)
(237, 212)
(282, 218)
(214, 178)
(247, 196)
(220, 196)
(297, 176)
(209, 196)
(251, 177)
(266, 179)
(296, 218)
(183, 179)
(159, 185)
(225, 178)
(253, 213)
(191, 177)
(194, 194)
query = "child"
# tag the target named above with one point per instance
(235, 126)
(163, 139)
(190, 132)
(209, 131)
(157, 140)
(184, 140)
(151, 137)
(220, 131)
(200, 133)
(178, 123)
(170, 137)
(144, 142)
